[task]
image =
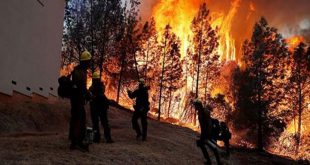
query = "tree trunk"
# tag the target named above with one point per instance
(198, 68)
(299, 106)
(147, 59)
(161, 81)
(170, 92)
(169, 105)
(206, 88)
(120, 77)
(136, 64)
(92, 36)
(260, 127)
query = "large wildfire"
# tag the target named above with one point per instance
(179, 15)
(233, 23)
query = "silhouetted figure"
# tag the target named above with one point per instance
(78, 99)
(99, 106)
(225, 136)
(141, 108)
(215, 131)
(206, 128)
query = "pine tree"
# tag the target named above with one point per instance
(148, 59)
(91, 25)
(299, 84)
(128, 47)
(173, 77)
(264, 64)
(205, 59)
(171, 73)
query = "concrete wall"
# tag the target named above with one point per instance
(30, 45)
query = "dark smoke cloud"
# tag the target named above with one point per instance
(291, 17)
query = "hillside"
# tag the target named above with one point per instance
(32, 132)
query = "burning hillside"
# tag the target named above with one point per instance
(220, 52)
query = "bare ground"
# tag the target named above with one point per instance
(36, 133)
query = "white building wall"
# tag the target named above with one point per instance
(30, 45)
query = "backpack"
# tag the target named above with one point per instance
(225, 133)
(65, 86)
(215, 130)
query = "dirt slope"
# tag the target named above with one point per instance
(36, 133)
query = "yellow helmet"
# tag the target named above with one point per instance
(197, 101)
(96, 75)
(141, 81)
(85, 56)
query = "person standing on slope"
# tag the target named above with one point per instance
(78, 100)
(99, 106)
(141, 109)
(205, 133)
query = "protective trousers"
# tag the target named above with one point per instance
(205, 152)
(100, 113)
(135, 125)
(77, 122)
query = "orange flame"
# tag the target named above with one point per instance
(180, 13)
(227, 49)
(294, 41)
(66, 70)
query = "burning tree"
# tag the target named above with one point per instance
(128, 48)
(148, 60)
(222, 110)
(264, 58)
(204, 62)
(205, 43)
(299, 84)
(148, 48)
(171, 76)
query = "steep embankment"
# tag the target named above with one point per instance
(36, 133)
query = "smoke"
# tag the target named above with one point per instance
(146, 8)
(291, 17)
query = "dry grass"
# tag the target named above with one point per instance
(33, 132)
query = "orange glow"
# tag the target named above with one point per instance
(66, 70)
(293, 42)
(227, 48)
(252, 7)
(180, 13)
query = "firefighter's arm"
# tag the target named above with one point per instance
(131, 94)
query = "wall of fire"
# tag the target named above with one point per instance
(30, 46)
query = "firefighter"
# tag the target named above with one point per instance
(205, 135)
(225, 136)
(215, 131)
(78, 100)
(99, 106)
(141, 109)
